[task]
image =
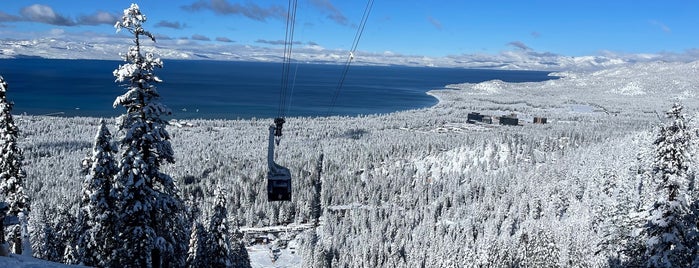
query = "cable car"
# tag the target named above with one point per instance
(278, 177)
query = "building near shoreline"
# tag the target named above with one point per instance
(474, 117)
(509, 120)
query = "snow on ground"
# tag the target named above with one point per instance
(264, 256)
(277, 229)
(580, 103)
(643, 88)
(281, 248)
(19, 261)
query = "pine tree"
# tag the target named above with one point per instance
(315, 202)
(669, 242)
(46, 243)
(220, 250)
(152, 230)
(96, 219)
(11, 173)
(65, 227)
(240, 256)
(193, 212)
(197, 254)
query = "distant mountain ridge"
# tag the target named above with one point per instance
(107, 49)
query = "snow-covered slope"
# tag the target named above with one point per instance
(261, 256)
(19, 261)
(423, 187)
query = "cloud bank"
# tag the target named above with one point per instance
(45, 14)
(224, 39)
(519, 44)
(58, 44)
(200, 37)
(249, 10)
(331, 11)
(275, 42)
(171, 24)
(661, 25)
(434, 22)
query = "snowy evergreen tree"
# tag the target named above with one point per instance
(220, 250)
(239, 253)
(315, 202)
(96, 219)
(193, 212)
(669, 241)
(55, 234)
(197, 255)
(11, 173)
(66, 235)
(152, 229)
(47, 243)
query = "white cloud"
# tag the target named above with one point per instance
(661, 25)
(57, 32)
(171, 24)
(224, 39)
(200, 37)
(90, 45)
(99, 17)
(332, 12)
(519, 44)
(436, 23)
(250, 9)
(45, 14)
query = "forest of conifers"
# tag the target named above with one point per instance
(422, 188)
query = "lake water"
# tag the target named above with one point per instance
(230, 90)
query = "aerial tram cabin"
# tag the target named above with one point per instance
(278, 177)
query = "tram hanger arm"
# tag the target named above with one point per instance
(278, 124)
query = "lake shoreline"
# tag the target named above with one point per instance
(216, 90)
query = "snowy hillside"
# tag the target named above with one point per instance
(420, 187)
(19, 261)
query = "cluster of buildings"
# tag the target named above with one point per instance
(508, 120)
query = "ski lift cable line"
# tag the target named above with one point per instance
(288, 45)
(284, 57)
(350, 57)
(293, 86)
(286, 62)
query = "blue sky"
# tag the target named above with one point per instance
(433, 28)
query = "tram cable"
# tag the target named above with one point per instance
(286, 64)
(279, 177)
(350, 57)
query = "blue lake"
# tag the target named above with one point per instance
(231, 90)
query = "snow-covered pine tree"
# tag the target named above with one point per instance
(11, 173)
(197, 255)
(96, 243)
(54, 233)
(218, 241)
(152, 229)
(241, 254)
(315, 202)
(46, 242)
(193, 212)
(65, 227)
(669, 241)
(241, 258)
